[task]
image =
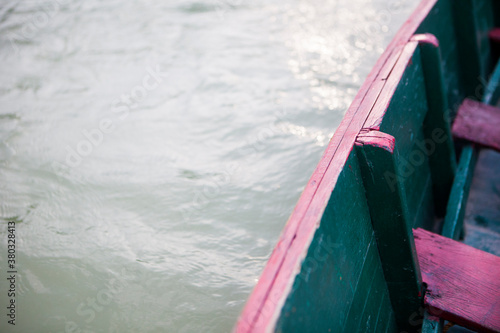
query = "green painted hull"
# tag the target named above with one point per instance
(345, 261)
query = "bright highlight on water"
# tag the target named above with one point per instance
(152, 152)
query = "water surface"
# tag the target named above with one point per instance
(151, 152)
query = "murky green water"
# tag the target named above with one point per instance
(151, 152)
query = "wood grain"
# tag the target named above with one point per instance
(391, 222)
(479, 123)
(437, 128)
(265, 303)
(457, 202)
(277, 288)
(463, 283)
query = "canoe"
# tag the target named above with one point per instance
(376, 240)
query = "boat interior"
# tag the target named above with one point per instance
(398, 228)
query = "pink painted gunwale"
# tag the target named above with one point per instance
(264, 304)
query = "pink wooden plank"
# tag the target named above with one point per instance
(463, 283)
(264, 305)
(479, 123)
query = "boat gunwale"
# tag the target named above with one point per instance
(264, 304)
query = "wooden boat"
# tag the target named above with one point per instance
(372, 245)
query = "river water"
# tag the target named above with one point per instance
(151, 152)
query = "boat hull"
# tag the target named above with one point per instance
(329, 271)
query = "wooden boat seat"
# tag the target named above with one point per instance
(472, 300)
(346, 260)
(389, 163)
(462, 283)
(479, 123)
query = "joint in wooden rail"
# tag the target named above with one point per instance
(377, 139)
(388, 208)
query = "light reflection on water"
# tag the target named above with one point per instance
(152, 152)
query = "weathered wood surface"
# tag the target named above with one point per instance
(342, 269)
(442, 160)
(432, 324)
(400, 111)
(391, 222)
(267, 299)
(463, 283)
(492, 91)
(479, 123)
(483, 216)
(280, 290)
(453, 222)
(475, 21)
